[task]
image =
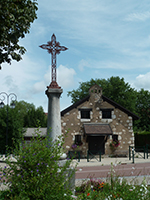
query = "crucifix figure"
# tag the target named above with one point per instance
(53, 48)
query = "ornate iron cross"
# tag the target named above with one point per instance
(54, 48)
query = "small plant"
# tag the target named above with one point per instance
(74, 146)
(114, 144)
(93, 184)
(78, 143)
(37, 174)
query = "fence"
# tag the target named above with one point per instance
(147, 150)
(74, 154)
(91, 155)
(138, 151)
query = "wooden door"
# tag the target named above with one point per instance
(96, 144)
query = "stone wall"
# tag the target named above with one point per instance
(121, 125)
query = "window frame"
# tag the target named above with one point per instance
(85, 113)
(78, 139)
(106, 113)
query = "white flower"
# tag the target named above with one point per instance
(80, 169)
(120, 180)
(59, 170)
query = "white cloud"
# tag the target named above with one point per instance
(66, 76)
(19, 77)
(96, 64)
(95, 23)
(39, 86)
(143, 81)
(138, 16)
(82, 64)
(65, 79)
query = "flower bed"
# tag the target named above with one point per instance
(115, 188)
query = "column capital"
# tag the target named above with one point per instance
(54, 91)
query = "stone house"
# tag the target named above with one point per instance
(96, 122)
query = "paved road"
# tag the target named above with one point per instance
(139, 169)
(122, 168)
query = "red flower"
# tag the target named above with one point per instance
(88, 194)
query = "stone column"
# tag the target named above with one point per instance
(54, 127)
(54, 118)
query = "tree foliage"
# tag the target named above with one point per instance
(13, 122)
(34, 116)
(143, 110)
(30, 115)
(23, 115)
(16, 17)
(114, 88)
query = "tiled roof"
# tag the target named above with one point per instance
(31, 132)
(97, 129)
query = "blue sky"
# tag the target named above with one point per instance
(104, 38)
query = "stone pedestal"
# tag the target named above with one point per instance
(54, 118)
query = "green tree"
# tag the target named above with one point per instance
(14, 125)
(30, 115)
(114, 88)
(143, 110)
(16, 17)
(23, 107)
(34, 116)
(23, 115)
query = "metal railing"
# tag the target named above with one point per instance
(91, 155)
(147, 150)
(74, 154)
(138, 151)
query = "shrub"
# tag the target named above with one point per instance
(37, 174)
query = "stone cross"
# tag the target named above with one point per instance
(53, 48)
(53, 91)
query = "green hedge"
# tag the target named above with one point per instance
(142, 138)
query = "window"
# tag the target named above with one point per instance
(78, 140)
(115, 137)
(85, 114)
(106, 113)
